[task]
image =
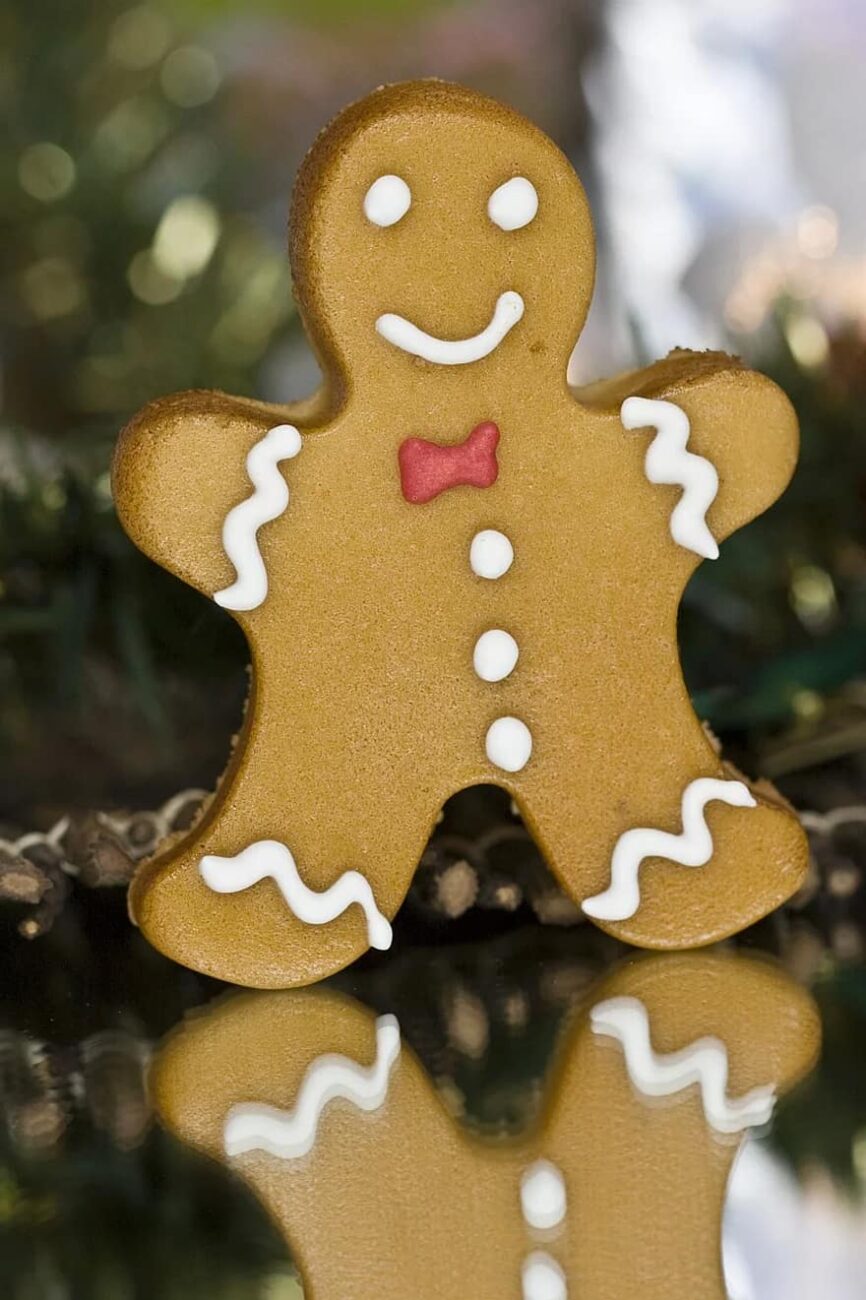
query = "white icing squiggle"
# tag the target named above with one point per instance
(668, 461)
(704, 1062)
(289, 1134)
(692, 848)
(268, 501)
(453, 352)
(232, 875)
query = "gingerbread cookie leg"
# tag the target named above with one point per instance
(671, 853)
(728, 859)
(275, 890)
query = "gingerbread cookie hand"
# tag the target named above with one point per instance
(477, 577)
(719, 440)
(194, 479)
(725, 438)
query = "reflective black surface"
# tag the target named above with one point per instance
(98, 1199)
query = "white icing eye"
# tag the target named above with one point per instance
(514, 204)
(387, 200)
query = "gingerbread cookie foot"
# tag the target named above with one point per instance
(251, 918)
(270, 858)
(735, 860)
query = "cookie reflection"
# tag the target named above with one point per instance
(615, 1189)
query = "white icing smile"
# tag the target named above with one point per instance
(453, 352)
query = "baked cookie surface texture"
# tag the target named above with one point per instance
(452, 569)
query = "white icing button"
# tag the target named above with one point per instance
(387, 201)
(514, 204)
(543, 1279)
(509, 744)
(542, 1195)
(495, 655)
(491, 554)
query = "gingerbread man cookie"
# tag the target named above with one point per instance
(453, 570)
(618, 1190)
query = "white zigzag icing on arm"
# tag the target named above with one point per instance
(232, 875)
(289, 1134)
(668, 461)
(268, 501)
(692, 848)
(704, 1062)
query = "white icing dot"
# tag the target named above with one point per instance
(514, 204)
(491, 554)
(509, 744)
(387, 200)
(543, 1279)
(542, 1195)
(495, 655)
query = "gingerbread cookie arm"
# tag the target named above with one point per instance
(745, 427)
(194, 478)
(724, 436)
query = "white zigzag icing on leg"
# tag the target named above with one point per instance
(289, 1134)
(704, 1062)
(667, 461)
(268, 501)
(692, 848)
(232, 875)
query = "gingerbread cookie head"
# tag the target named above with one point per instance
(432, 223)
(616, 1189)
(452, 570)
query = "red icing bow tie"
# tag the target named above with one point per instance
(428, 468)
